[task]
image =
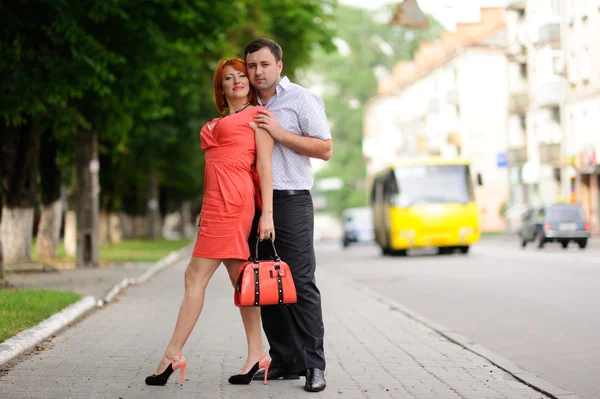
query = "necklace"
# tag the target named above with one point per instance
(241, 109)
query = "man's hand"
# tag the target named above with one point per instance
(266, 120)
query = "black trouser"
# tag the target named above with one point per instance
(295, 332)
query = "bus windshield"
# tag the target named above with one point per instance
(432, 185)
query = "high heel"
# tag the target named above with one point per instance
(163, 377)
(244, 379)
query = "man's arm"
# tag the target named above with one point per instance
(316, 143)
(305, 145)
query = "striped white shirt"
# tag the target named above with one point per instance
(299, 111)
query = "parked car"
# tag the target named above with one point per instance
(561, 223)
(357, 225)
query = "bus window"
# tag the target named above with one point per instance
(433, 184)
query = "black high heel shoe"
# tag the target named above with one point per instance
(163, 377)
(244, 379)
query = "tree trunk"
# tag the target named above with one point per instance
(187, 227)
(114, 228)
(16, 231)
(70, 239)
(51, 220)
(1, 262)
(86, 159)
(49, 231)
(153, 207)
(19, 160)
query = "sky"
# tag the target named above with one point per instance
(447, 12)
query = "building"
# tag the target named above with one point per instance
(518, 105)
(451, 100)
(537, 92)
(580, 27)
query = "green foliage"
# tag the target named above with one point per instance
(350, 82)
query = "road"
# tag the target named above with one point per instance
(537, 308)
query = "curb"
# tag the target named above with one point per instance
(27, 339)
(531, 380)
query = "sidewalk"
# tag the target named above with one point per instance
(373, 351)
(86, 281)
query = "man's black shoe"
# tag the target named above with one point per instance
(315, 380)
(276, 373)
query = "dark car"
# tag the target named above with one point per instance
(561, 223)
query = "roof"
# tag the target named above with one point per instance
(431, 55)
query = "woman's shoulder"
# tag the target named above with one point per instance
(210, 125)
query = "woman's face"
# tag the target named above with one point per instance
(235, 84)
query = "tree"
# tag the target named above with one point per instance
(349, 78)
(46, 59)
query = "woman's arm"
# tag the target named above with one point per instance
(264, 151)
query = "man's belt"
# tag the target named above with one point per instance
(289, 193)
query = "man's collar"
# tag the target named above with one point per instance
(284, 84)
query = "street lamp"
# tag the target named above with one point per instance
(409, 15)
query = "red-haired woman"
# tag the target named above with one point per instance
(238, 168)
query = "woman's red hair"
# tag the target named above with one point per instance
(220, 99)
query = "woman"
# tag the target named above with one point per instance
(232, 147)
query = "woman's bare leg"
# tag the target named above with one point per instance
(197, 276)
(251, 320)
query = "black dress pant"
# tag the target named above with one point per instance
(295, 332)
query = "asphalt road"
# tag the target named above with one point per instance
(537, 308)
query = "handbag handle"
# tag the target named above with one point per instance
(256, 258)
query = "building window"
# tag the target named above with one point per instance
(523, 70)
(585, 67)
(572, 68)
(570, 12)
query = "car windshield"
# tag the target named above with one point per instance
(566, 213)
(433, 184)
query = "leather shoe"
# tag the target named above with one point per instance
(276, 373)
(315, 380)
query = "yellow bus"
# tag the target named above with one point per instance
(424, 203)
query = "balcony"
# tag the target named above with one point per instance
(517, 156)
(516, 52)
(550, 154)
(550, 94)
(549, 33)
(518, 103)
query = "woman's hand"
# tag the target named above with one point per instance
(266, 228)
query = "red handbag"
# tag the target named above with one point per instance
(264, 282)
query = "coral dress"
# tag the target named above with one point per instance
(230, 187)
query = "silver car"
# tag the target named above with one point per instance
(357, 226)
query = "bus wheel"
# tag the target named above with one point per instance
(385, 251)
(464, 250)
(401, 252)
(444, 251)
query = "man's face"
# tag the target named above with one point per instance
(263, 70)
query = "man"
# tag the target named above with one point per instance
(296, 119)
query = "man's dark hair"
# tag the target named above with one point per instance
(261, 43)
